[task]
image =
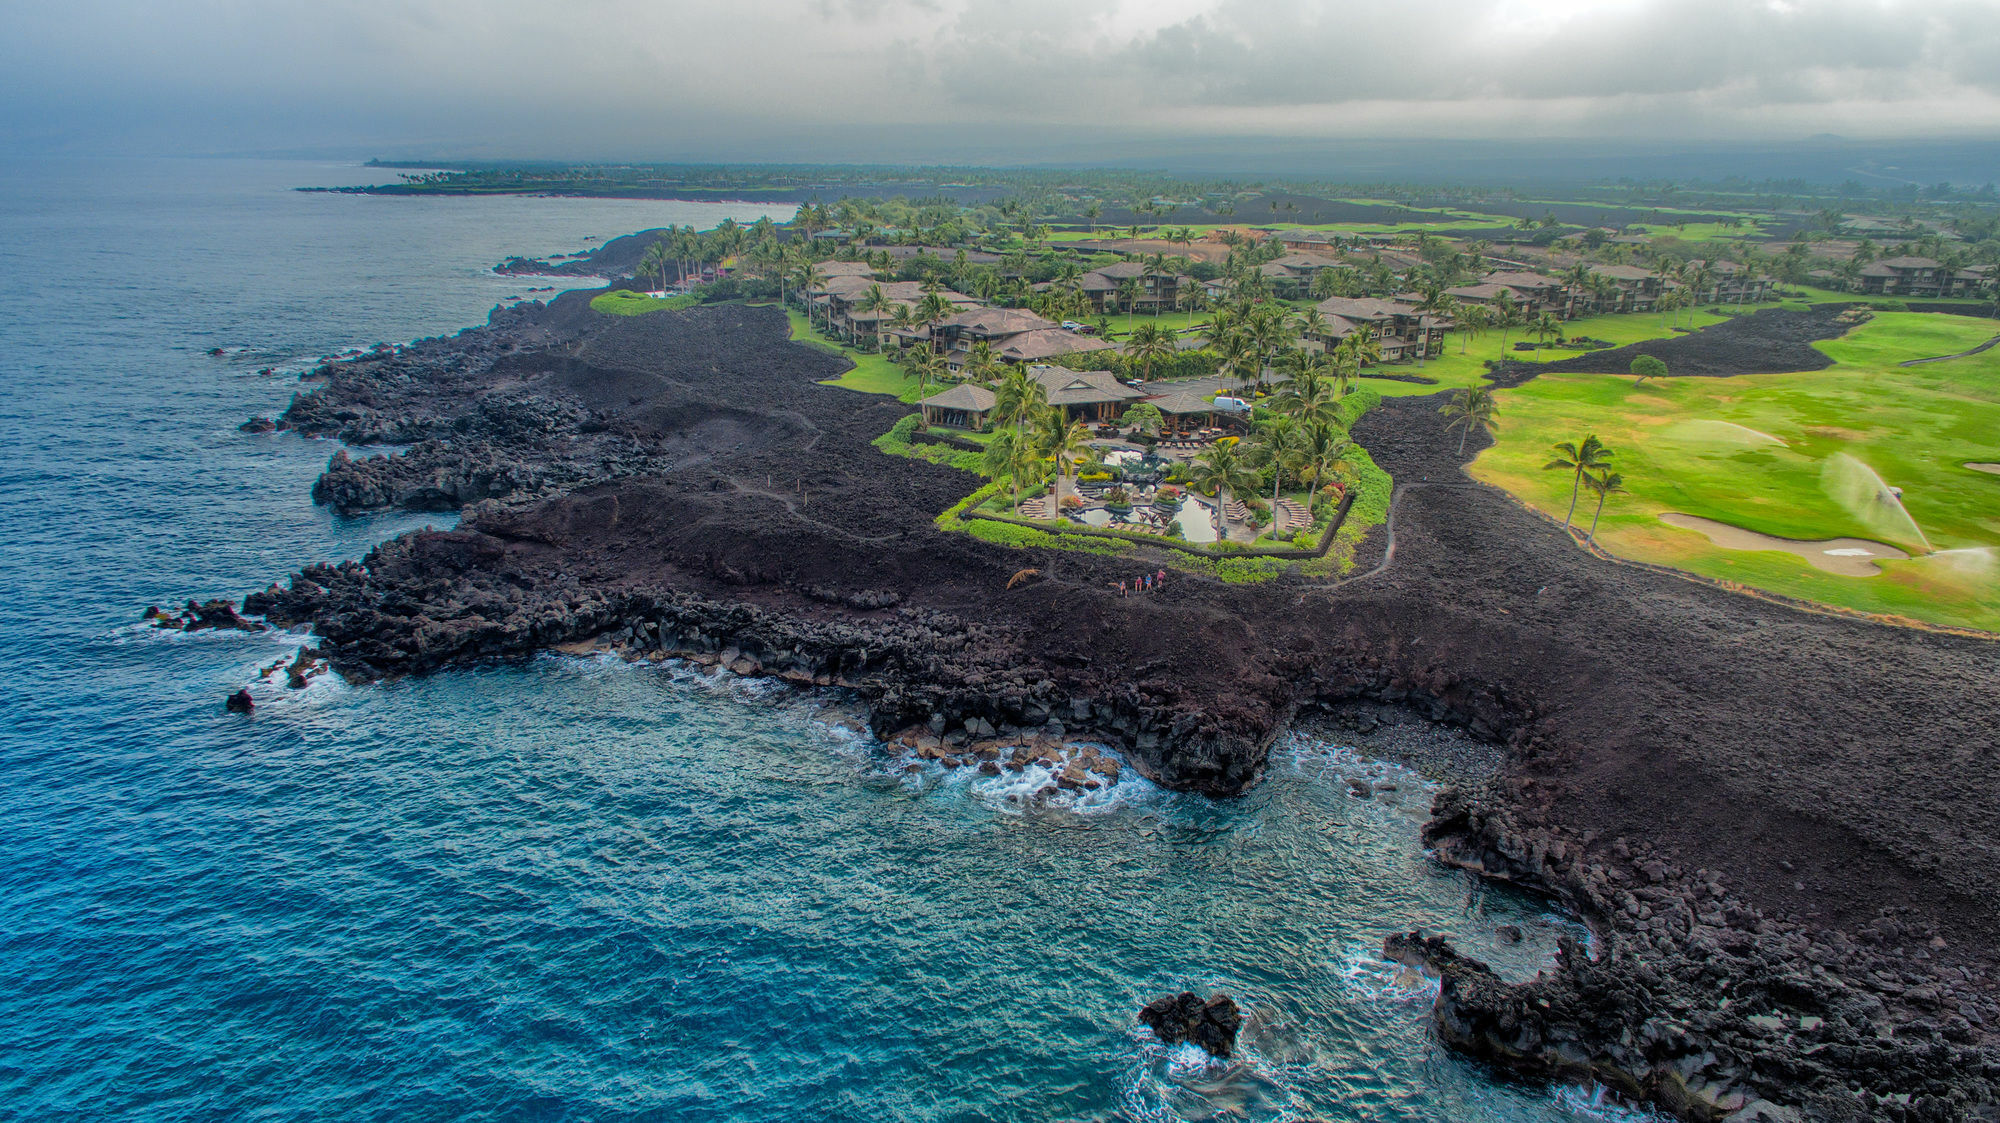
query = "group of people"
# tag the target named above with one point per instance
(1144, 583)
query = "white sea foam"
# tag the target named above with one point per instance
(1375, 979)
(1594, 1102)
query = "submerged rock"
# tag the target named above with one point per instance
(216, 614)
(1185, 1017)
(240, 702)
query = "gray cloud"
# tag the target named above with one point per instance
(667, 78)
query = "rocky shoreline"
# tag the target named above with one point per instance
(1786, 930)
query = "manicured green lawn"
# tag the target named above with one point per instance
(1121, 325)
(872, 374)
(624, 302)
(1464, 362)
(1782, 453)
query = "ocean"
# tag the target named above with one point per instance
(569, 888)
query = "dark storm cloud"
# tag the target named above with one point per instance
(659, 77)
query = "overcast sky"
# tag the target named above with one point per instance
(899, 79)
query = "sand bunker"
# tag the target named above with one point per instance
(1848, 557)
(1983, 466)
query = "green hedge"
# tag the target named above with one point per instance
(1372, 489)
(896, 442)
(1021, 537)
(1356, 403)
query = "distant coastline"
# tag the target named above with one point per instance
(580, 191)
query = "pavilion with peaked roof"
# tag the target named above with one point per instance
(965, 406)
(1085, 395)
(1183, 406)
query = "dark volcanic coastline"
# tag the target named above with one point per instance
(1782, 824)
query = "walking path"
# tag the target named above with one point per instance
(1947, 358)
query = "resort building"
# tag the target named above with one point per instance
(1733, 284)
(1400, 329)
(1081, 395)
(1085, 395)
(1636, 288)
(955, 336)
(1906, 276)
(1542, 293)
(1307, 241)
(838, 305)
(1488, 293)
(1014, 336)
(1292, 275)
(1105, 288)
(1185, 409)
(1049, 343)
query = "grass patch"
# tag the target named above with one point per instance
(1121, 326)
(624, 302)
(1679, 450)
(872, 374)
(896, 442)
(1457, 368)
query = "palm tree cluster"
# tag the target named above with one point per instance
(1301, 442)
(1035, 439)
(1589, 464)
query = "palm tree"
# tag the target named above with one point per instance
(877, 302)
(1279, 449)
(980, 362)
(808, 277)
(1013, 455)
(1433, 305)
(1223, 468)
(1128, 294)
(1271, 331)
(1191, 296)
(1576, 280)
(1019, 398)
(1321, 446)
(1602, 484)
(1312, 394)
(1312, 325)
(1149, 343)
(1092, 213)
(927, 367)
(1063, 441)
(1240, 358)
(1506, 317)
(932, 308)
(1472, 319)
(1355, 350)
(1578, 459)
(654, 263)
(1470, 407)
(1546, 327)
